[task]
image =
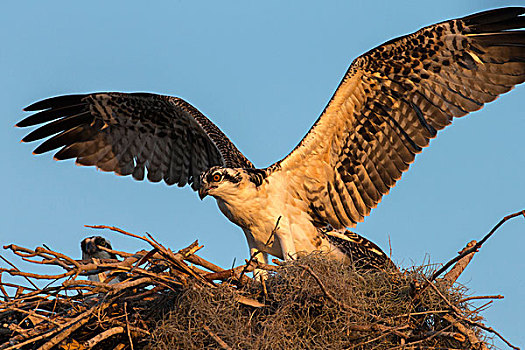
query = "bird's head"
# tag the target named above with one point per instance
(91, 248)
(219, 182)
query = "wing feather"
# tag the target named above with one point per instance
(138, 134)
(393, 100)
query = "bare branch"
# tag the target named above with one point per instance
(476, 246)
(87, 313)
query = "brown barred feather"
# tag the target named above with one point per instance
(133, 134)
(362, 253)
(394, 99)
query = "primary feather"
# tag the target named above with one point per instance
(390, 103)
(132, 133)
(393, 100)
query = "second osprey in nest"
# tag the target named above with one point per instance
(391, 102)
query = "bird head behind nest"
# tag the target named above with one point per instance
(90, 247)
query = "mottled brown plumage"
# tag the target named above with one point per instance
(129, 133)
(361, 252)
(391, 102)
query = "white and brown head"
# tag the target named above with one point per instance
(90, 247)
(223, 183)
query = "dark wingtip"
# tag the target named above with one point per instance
(54, 102)
(23, 123)
(38, 150)
(56, 112)
(36, 106)
(494, 15)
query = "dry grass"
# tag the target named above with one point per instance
(300, 314)
(177, 300)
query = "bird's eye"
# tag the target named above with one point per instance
(217, 177)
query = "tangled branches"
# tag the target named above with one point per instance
(88, 312)
(162, 299)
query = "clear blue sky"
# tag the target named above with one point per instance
(263, 71)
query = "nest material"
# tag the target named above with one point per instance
(168, 300)
(315, 303)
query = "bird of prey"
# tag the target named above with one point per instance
(90, 248)
(392, 100)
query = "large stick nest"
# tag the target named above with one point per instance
(168, 300)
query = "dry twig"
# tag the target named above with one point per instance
(73, 310)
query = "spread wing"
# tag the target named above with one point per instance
(392, 101)
(129, 133)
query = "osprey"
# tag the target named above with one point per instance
(391, 102)
(90, 248)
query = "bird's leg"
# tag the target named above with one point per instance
(284, 234)
(262, 257)
(256, 254)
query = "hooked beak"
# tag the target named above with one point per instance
(91, 247)
(203, 192)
